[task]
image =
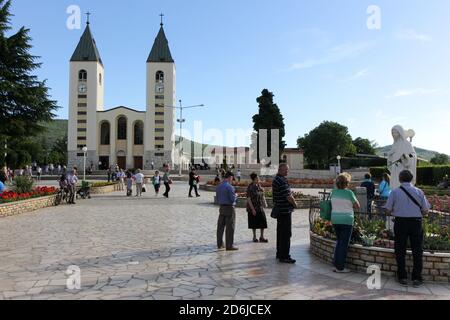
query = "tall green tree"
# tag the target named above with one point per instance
(269, 117)
(364, 146)
(24, 100)
(323, 144)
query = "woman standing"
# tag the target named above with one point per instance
(255, 208)
(193, 183)
(129, 177)
(343, 204)
(156, 180)
(385, 187)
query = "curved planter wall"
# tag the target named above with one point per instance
(436, 267)
(19, 207)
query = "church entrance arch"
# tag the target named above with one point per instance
(122, 160)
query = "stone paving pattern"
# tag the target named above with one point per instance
(158, 249)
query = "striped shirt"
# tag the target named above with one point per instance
(281, 191)
(342, 201)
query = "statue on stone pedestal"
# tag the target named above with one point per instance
(402, 155)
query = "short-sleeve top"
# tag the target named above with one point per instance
(342, 201)
(256, 194)
(281, 191)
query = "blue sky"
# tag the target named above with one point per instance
(318, 57)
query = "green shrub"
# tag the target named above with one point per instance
(102, 184)
(377, 172)
(23, 184)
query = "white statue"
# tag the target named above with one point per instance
(402, 155)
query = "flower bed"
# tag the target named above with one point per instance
(12, 196)
(440, 203)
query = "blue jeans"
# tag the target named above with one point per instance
(344, 235)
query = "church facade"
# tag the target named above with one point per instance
(121, 136)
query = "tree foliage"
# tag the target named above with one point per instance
(440, 159)
(364, 146)
(324, 143)
(24, 100)
(269, 117)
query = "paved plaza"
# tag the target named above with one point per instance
(154, 248)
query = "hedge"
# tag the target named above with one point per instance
(426, 175)
(349, 163)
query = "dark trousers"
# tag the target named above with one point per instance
(344, 235)
(167, 185)
(411, 228)
(193, 187)
(72, 193)
(227, 221)
(284, 234)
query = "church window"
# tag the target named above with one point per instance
(82, 75)
(105, 134)
(159, 130)
(159, 121)
(139, 133)
(159, 77)
(100, 79)
(158, 97)
(122, 128)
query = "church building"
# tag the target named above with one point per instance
(121, 135)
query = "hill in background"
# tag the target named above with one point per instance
(421, 153)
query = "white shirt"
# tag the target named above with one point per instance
(139, 178)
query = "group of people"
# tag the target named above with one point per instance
(407, 204)
(68, 184)
(139, 180)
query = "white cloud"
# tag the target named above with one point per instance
(413, 35)
(334, 55)
(360, 74)
(413, 92)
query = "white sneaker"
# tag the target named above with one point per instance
(342, 271)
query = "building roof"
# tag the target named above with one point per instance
(87, 48)
(121, 107)
(160, 50)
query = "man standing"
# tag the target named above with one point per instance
(370, 187)
(139, 178)
(239, 175)
(408, 204)
(226, 196)
(284, 205)
(72, 181)
(193, 183)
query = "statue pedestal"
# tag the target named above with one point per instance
(361, 195)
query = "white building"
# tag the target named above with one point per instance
(121, 135)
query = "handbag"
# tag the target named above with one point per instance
(275, 213)
(325, 209)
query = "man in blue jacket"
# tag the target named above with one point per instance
(226, 196)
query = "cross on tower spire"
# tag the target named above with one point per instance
(161, 15)
(88, 14)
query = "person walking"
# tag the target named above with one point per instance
(109, 173)
(139, 179)
(239, 175)
(121, 177)
(167, 182)
(38, 173)
(385, 187)
(256, 202)
(156, 181)
(72, 181)
(129, 177)
(408, 205)
(370, 187)
(193, 183)
(343, 204)
(226, 196)
(284, 205)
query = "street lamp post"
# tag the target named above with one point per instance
(85, 149)
(339, 158)
(181, 120)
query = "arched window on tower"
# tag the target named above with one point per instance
(122, 128)
(160, 77)
(139, 133)
(100, 80)
(105, 130)
(82, 75)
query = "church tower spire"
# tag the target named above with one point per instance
(87, 48)
(160, 50)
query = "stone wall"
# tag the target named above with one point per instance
(19, 207)
(436, 266)
(106, 189)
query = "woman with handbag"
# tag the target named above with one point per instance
(343, 204)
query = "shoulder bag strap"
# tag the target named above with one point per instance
(411, 197)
